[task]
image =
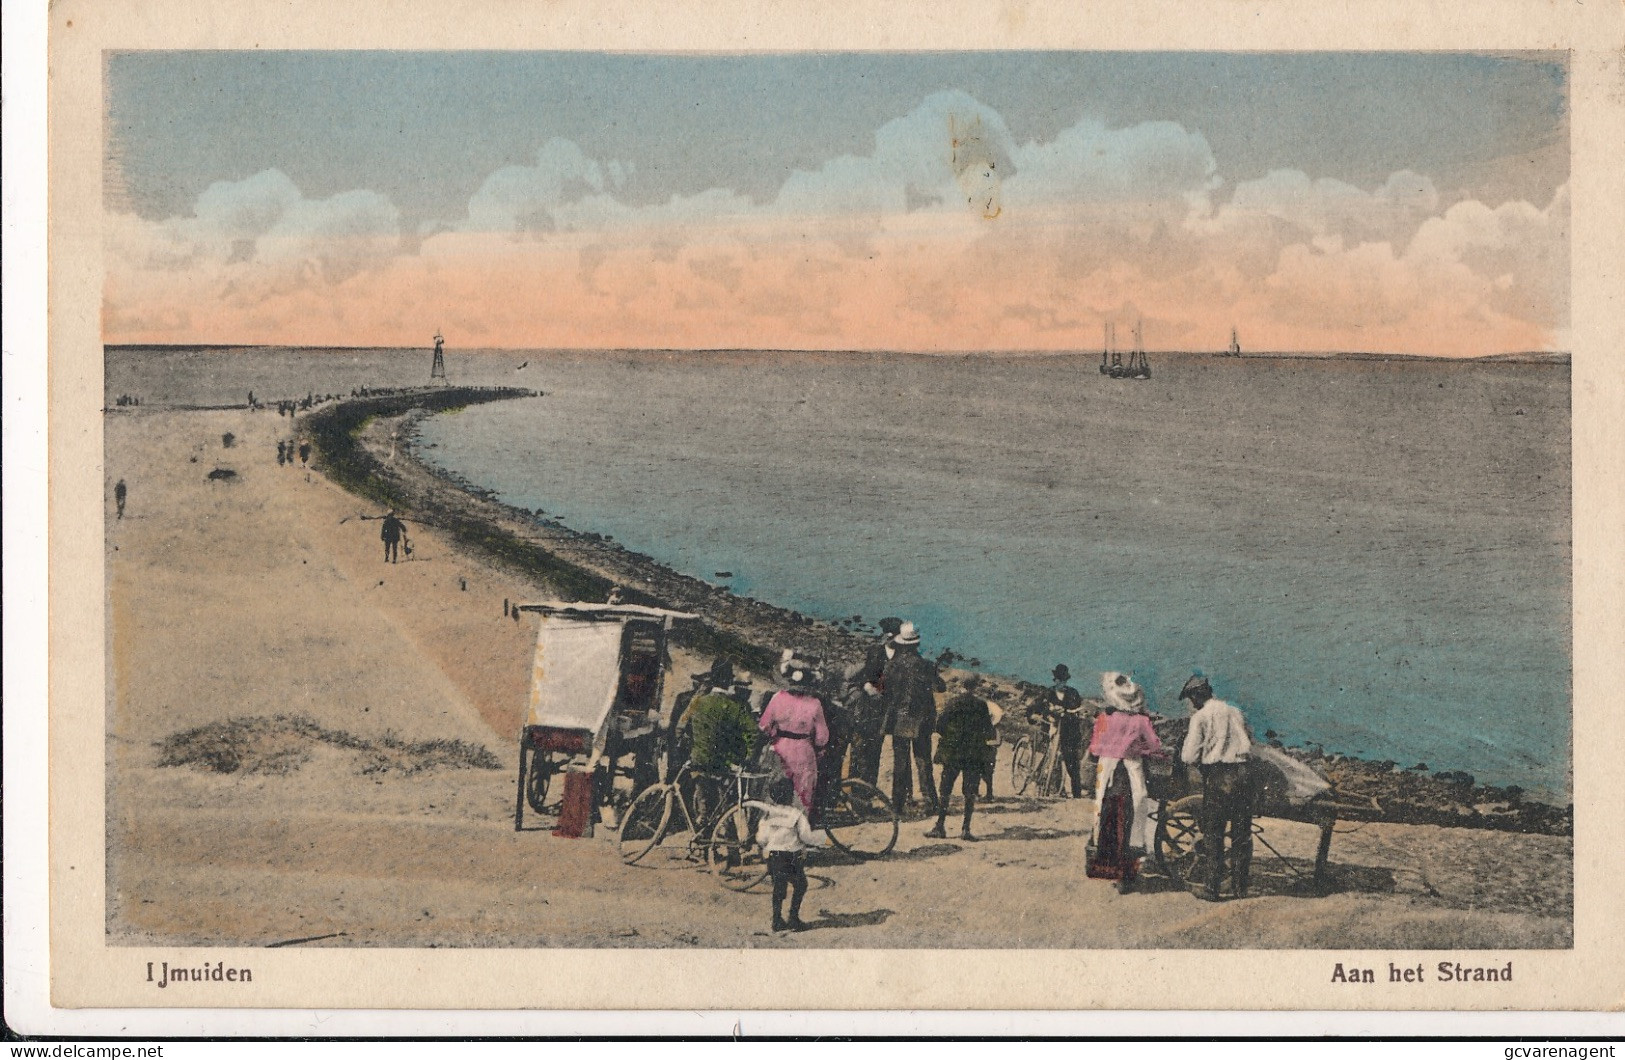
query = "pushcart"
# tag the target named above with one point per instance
(1284, 788)
(595, 694)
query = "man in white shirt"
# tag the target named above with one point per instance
(1220, 745)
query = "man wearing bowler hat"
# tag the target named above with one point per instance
(868, 708)
(1062, 706)
(1220, 745)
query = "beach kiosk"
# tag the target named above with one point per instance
(595, 687)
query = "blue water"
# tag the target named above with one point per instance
(1374, 556)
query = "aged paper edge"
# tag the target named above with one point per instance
(85, 972)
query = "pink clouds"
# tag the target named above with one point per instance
(897, 248)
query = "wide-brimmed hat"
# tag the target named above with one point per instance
(800, 669)
(1121, 692)
(1061, 672)
(907, 634)
(1196, 686)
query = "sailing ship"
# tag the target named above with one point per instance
(1235, 346)
(1111, 358)
(1141, 370)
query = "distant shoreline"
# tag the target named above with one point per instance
(1515, 357)
(353, 436)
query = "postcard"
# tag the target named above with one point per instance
(1049, 508)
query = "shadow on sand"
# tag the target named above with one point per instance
(1027, 833)
(827, 919)
(1273, 877)
(935, 850)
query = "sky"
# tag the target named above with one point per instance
(1403, 202)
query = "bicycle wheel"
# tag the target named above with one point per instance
(860, 819)
(735, 856)
(1050, 776)
(645, 822)
(1177, 843)
(536, 784)
(1021, 765)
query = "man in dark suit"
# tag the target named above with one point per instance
(912, 683)
(1062, 707)
(868, 709)
(966, 728)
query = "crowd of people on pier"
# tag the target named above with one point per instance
(818, 724)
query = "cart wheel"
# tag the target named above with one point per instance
(1178, 847)
(736, 857)
(860, 819)
(1021, 764)
(644, 824)
(542, 768)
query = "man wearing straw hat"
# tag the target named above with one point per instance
(912, 683)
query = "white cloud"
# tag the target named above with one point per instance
(1089, 163)
(1285, 207)
(522, 198)
(947, 230)
(916, 161)
(262, 234)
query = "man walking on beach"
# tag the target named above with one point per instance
(868, 709)
(391, 534)
(1220, 745)
(911, 685)
(120, 492)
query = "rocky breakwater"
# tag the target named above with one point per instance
(364, 445)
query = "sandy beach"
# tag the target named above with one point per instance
(380, 813)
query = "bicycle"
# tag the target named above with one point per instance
(723, 838)
(856, 816)
(1037, 760)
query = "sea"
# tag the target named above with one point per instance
(1369, 555)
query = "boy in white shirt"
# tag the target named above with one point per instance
(785, 833)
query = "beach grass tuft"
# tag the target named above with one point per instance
(277, 746)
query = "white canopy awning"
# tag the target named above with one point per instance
(575, 675)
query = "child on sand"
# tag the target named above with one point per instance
(785, 833)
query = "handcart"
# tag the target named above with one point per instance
(1283, 788)
(595, 693)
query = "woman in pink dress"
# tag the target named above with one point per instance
(1123, 736)
(795, 727)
